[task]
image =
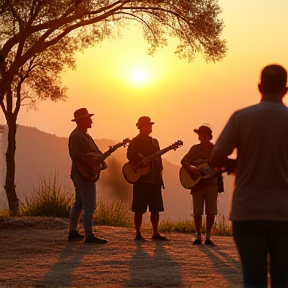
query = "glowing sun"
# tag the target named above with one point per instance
(139, 75)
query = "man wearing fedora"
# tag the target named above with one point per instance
(147, 189)
(82, 149)
(207, 189)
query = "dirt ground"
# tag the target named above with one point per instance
(34, 252)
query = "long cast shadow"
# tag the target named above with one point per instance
(68, 260)
(224, 265)
(149, 269)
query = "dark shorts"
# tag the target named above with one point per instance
(147, 194)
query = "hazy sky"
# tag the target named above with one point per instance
(178, 96)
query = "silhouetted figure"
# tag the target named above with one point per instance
(83, 151)
(206, 187)
(147, 189)
(259, 211)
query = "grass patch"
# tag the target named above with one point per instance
(114, 214)
(221, 227)
(4, 213)
(48, 199)
(180, 226)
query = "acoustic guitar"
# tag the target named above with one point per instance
(92, 173)
(205, 172)
(133, 171)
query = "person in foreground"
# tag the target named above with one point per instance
(83, 151)
(259, 211)
(147, 189)
(206, 191)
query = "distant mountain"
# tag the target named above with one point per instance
(39, 154)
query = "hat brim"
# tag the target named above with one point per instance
(81, 117)
(148, 123)
(202, 131)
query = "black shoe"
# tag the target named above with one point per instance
(93, 239)
(197, 242)
(75, 236)
(139, 238)
(209, 242)
(160, 238)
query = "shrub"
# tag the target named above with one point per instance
(180, 226)
(4, 213)
(48, 199)
(114, 214)
(221, 227)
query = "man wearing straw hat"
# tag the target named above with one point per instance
(206, 191)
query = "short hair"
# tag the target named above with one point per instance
(273, 79)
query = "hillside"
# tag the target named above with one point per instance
(40, 154)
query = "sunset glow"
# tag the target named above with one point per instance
(139, 75)
(118, 81)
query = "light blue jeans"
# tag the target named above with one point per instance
(85, 198)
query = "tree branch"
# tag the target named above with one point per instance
(15, 14)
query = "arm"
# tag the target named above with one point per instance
(219, 160)
(225, 146)
(194, 172)
(75, 143)
(132, 151)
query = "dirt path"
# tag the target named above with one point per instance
(34, 252)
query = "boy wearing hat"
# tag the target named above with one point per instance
(83, 149)
(147, 189)
(205, 191)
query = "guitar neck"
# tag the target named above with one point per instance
(157, 154)
(108, 152)
(112, 149)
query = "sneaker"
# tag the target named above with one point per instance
(93, 239)
(197, 242)
(209, 242)
(75, 236)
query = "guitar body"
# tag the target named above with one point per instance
(91, 173)
(133, 173)
(188, 182)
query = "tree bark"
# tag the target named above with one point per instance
(10, 187)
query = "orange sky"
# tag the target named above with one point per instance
(177, 95)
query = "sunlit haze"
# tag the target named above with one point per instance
(118, 82)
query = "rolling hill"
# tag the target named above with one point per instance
(39, 154)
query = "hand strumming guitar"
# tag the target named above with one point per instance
(93, 159)
(230, 166)
(192, 170)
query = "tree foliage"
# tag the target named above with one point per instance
(38, 39)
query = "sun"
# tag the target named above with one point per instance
(139, 75)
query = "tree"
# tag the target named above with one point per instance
(40, 37)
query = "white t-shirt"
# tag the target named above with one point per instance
(260, 135)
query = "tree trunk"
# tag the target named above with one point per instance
(10, 187)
